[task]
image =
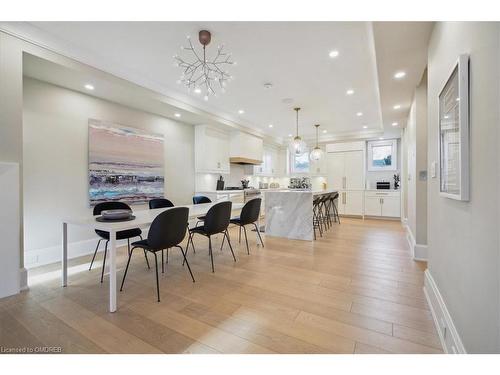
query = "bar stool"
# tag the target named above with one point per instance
(317, 219)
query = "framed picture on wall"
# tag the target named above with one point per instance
(383, 155)
(454, 133)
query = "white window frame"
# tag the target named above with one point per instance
(292, 163)
(394, 155)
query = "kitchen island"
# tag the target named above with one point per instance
(289, 213)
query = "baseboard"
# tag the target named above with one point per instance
(23, 279)
(48, 255)
(419, 251)
(448, 334)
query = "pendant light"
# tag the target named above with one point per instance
(297, 145)
(316, 153)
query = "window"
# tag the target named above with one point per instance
(382, 155)
(300, 163)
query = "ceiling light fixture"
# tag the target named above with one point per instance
(200, 71)
(317, 153)
(197, 90)
(177, 114)
(270, 125)
(324, 131)
(241, 111)
(397, 106)
(349, 92)
(381, 138)
(90, 87)
(399, 75)
(359, 114)
(394, 124)
(333, 53)
(365, 127)
(297, 145)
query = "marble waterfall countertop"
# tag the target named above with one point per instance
(289, 213)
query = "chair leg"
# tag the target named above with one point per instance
(257, 229)
(246, 239)
(147, 261)
(190, 239)
(229, 242)
(104, 261)
(210, 252)
(126, 268)
(187, 263)
(95, 253)
(162, 263)
(128, 245)
(157, 280)
(239, 236)
(222, 244)
(167, 255)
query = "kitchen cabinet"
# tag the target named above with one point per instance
(382, 203)
(270, 165)
(345, 173)
(350, 203)
(245, 148)
(281, 169)
(211, 150)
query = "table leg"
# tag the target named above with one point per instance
(64, 274)
(112, 271)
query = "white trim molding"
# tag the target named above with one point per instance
(448, 334)
(419, 251)
(23, 279)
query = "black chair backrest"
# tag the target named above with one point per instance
(217, 218)
(168, 229)
(160, 203)
(198, 199)
(99, 207)
(250, 211)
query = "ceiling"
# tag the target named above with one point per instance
(292, 56)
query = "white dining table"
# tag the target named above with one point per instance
(143, 219)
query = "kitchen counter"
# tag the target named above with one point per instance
(289, 213)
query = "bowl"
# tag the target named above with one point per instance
(116, 214)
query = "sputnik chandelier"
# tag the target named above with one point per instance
(201, 73)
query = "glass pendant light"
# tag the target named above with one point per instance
(297, 145)
(316, 153)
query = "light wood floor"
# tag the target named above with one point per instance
(356, 290)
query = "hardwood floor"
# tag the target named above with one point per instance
(356, 290)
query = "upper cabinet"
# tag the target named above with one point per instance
(245, 148)
(274, 163)
(211, 150)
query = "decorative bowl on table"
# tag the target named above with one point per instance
(116, 214)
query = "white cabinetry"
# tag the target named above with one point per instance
(270, 163)
(345, 173)
(245, 148)
(383, 203)
(211, 150)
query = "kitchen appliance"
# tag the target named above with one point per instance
(263, 185)
(220, 183)
(274, 185)
(232, 188)
(383, 185)
(250, 194)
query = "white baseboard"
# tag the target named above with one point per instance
(23, 279)
(448, 334)
(419, 251)
(48, 255)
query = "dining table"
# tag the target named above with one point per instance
(143, 219)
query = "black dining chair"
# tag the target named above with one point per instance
(124, 234)
(199, 199)
(216, 221)
(160, 203)
(167, 230)
(249, 215)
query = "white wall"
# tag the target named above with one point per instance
(55, 156)
(463, 239)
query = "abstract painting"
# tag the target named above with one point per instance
(125, 164)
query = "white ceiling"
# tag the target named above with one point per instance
(293, 56)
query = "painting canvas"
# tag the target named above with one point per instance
(125, 164)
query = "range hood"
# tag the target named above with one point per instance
(244, 161)
(245, 149)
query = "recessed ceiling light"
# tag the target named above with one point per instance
(324, 131)
(197, 90)
(289, 135)
(381, 138)
(241, 111)
(365, 127)
(90, 87)
(399, 75)
(394, 124)
(177, 114)
(333, 53)
(350, 92)
(359, 114)
(270, 125)
(397, 106)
